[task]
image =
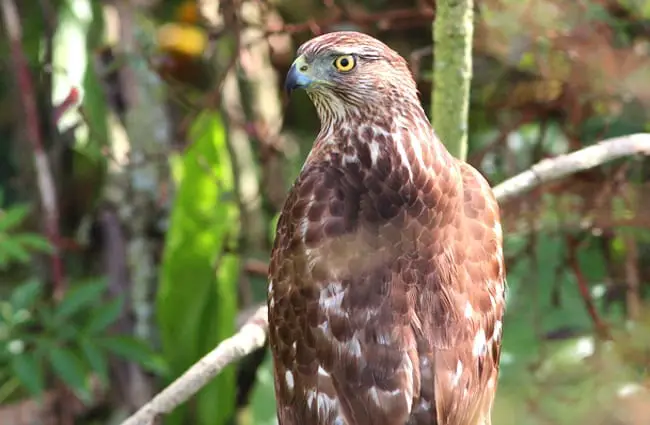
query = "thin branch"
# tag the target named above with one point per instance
(252, 335)
(574, 162)
(46, 186)
(574, 264)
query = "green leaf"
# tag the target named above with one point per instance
(104, 316)
(127, 347)
(27, 369)
(34, 241)
(194, 317)
(96, 358)
(14, 251)
(26, 294)
(68, 368)
(80, 297)
(12, 217)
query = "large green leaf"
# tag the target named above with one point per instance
(196, 306)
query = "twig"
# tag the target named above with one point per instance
(250, 337)
(601, 327)
(253, 335)
(633, 297)
(583, 159)
(32, 128)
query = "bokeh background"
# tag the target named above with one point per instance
(146, 149)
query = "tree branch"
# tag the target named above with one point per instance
(46, 186)
(250, 337)
(574, 162)
(253, 334)
(453, 31)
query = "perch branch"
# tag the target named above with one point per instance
(45, 181)
(252, 335)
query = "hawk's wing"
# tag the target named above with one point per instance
(464, 325)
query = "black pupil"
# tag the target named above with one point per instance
(344, 62)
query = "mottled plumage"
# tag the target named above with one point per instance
(387, 277)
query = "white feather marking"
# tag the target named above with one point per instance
(397, 137)
(304, 223)
(374, 152)
(304, 226)
(497, 229)
(374, 396)
(425, 404)
(479, 343)
(320, 401)
(402, 154)
(490, 383)
(417, 150)
(352, 346)
(469, 311)
(322, 372)
(497, 330)
(383, 339)
(331, 297)
(459, 371)
(350, 159)
(408, 370)
(288, 378)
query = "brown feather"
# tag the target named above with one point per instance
(387, 278)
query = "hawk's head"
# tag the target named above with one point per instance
(349, 69)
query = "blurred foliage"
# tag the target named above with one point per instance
(68, 341)
(549, 77)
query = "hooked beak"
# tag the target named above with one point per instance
(297, 77)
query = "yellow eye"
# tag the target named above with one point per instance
(345, 63)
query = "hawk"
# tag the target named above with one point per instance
(387, 277)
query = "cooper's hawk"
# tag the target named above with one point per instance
(387, 277)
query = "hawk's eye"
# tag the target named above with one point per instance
(344, 63)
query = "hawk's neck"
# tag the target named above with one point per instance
(385, 136)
